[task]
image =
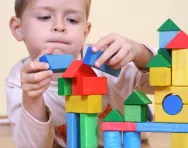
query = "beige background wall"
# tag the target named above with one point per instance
(134, 19)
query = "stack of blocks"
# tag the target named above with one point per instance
(84, 90)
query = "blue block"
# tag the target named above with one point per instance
(172, 104)
(112, 139)
(166, 37)
(91, 57)
(73, 130)
(162, 127)
(58, 63)
(132, 139)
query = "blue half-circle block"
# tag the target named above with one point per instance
(172, 104)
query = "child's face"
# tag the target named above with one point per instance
(58, 24)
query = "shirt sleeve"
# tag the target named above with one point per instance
(27, 131)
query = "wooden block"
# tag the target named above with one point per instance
(132, 139)
(137, 98)
(162, 127)
(119, 126)
(166, 53)
(73, 130)
(90, 86)
(166, 37)
(179, 42)
(89, 130)
(160, 76)
(84, 104)
(112, 139)
(179, 140)
(158, 61)
(114, 116)
(169, 25)
(64, 87)
(180, 67)
(57, 63)
(78, 69)
(162, 116)
(162, 92)
(91, 57)
(135, 113)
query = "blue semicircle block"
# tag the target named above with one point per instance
(172, 104)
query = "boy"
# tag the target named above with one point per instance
(36, 112)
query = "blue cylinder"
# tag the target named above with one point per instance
(112, 139)
(132, 140)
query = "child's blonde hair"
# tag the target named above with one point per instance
(21, 4)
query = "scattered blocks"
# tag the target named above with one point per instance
(91, 57)
(84, 104)
(160, 76)
(57, 63)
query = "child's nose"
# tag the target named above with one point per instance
(59, 27)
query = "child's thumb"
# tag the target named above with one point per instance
(46, 51)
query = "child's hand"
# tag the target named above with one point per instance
(35, 78)
(121, 50)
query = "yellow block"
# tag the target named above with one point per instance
(160, 76)
(162, 92)
(180, 67)
(179, 140)
(84, 104)
(162, 116)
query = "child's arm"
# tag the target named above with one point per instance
(123, 51)
(27, 130)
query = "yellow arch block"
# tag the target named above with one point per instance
(83, 104)
(179, 140)
(162, 116)
(180, 67)
(160, 76)
(162, 92)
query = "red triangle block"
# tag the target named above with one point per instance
(180, 41)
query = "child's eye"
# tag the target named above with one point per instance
(73, 21)
(44, 17)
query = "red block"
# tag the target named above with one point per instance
(180, 41)
(119, 126)
(89, 86)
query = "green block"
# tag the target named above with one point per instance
(166, 53)
(89, 130)
(135, 113)
(137, 98)
(158, 61)
(114, 116)
(169, 25)
(64, 87)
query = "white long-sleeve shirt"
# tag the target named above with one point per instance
(28, 132)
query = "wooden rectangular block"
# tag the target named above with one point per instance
(119, 126)
(162, 116)
(160, 76)
(180, 67)
(84, 104)
(64, 86)
(179, 140)
(89, 130)
(162, 92)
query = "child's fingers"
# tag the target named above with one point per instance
(31, 87)
(104, 41)
(120, 56)
(34, 67)
(108, 53)
(36, 77)
(37, 93)
(46, 51)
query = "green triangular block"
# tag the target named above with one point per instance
(137, 98)
(114, 116)
(158, 61)
(169, 25)
(166, 53)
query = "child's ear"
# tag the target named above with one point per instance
(87, 29)
(15, 27)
